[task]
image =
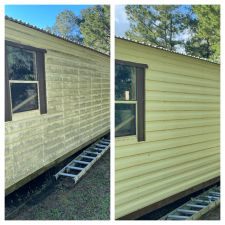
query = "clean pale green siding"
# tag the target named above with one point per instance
(182, 147)
(78, 105)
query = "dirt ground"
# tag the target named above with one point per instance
(159, 213)
(212, 215)
(45, 198)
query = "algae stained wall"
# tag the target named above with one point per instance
(78, 106)
(182, 147)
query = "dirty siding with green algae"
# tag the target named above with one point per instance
(182, 147)
(78, 107)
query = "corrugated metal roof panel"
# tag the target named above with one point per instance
(164, 49)
(52, 34)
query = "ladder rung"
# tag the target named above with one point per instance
(103, 142)
(178, 217)
(68, 175)
(106, 140)
(99, 149)
(213, 197)
(88, 157)
(187, 211)
(215, 193)
(201, 201)
(196, 206)
(103, 146)
(75, 168)
(93, 152)
(81, 162)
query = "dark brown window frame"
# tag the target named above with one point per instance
(41, 79)
(140, 96)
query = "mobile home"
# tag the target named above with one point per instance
(57, 100)
(167, 126)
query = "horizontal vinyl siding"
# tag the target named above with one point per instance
(182, 147)
(78, 105)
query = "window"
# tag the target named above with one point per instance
(24, 79)
(130, 99)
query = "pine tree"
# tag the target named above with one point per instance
(67, 25)
(209, 27)
(96, 28)
(155, 24)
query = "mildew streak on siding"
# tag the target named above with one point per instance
(78, 105)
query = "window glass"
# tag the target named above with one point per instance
(22, 64)
(125, 82)
(24, 97)
(125, 119)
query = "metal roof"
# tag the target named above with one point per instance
(164, 49)
(52, 34)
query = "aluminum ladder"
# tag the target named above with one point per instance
(82, 163)
(196, 207)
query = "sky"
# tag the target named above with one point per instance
(40, 16)
(122, 24)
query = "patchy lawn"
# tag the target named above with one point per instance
(89, 199)
(213, 214)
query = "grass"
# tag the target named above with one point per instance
(89, 199)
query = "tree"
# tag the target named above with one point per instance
(67, 25)
(209, 27)
(96, 28)
(155, 24)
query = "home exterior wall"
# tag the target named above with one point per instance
(182, 147)
(78, 107)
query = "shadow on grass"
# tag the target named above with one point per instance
(89, 199)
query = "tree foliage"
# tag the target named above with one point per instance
(155, 24)
(96, 28)
(209, 27)
(67, 25)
